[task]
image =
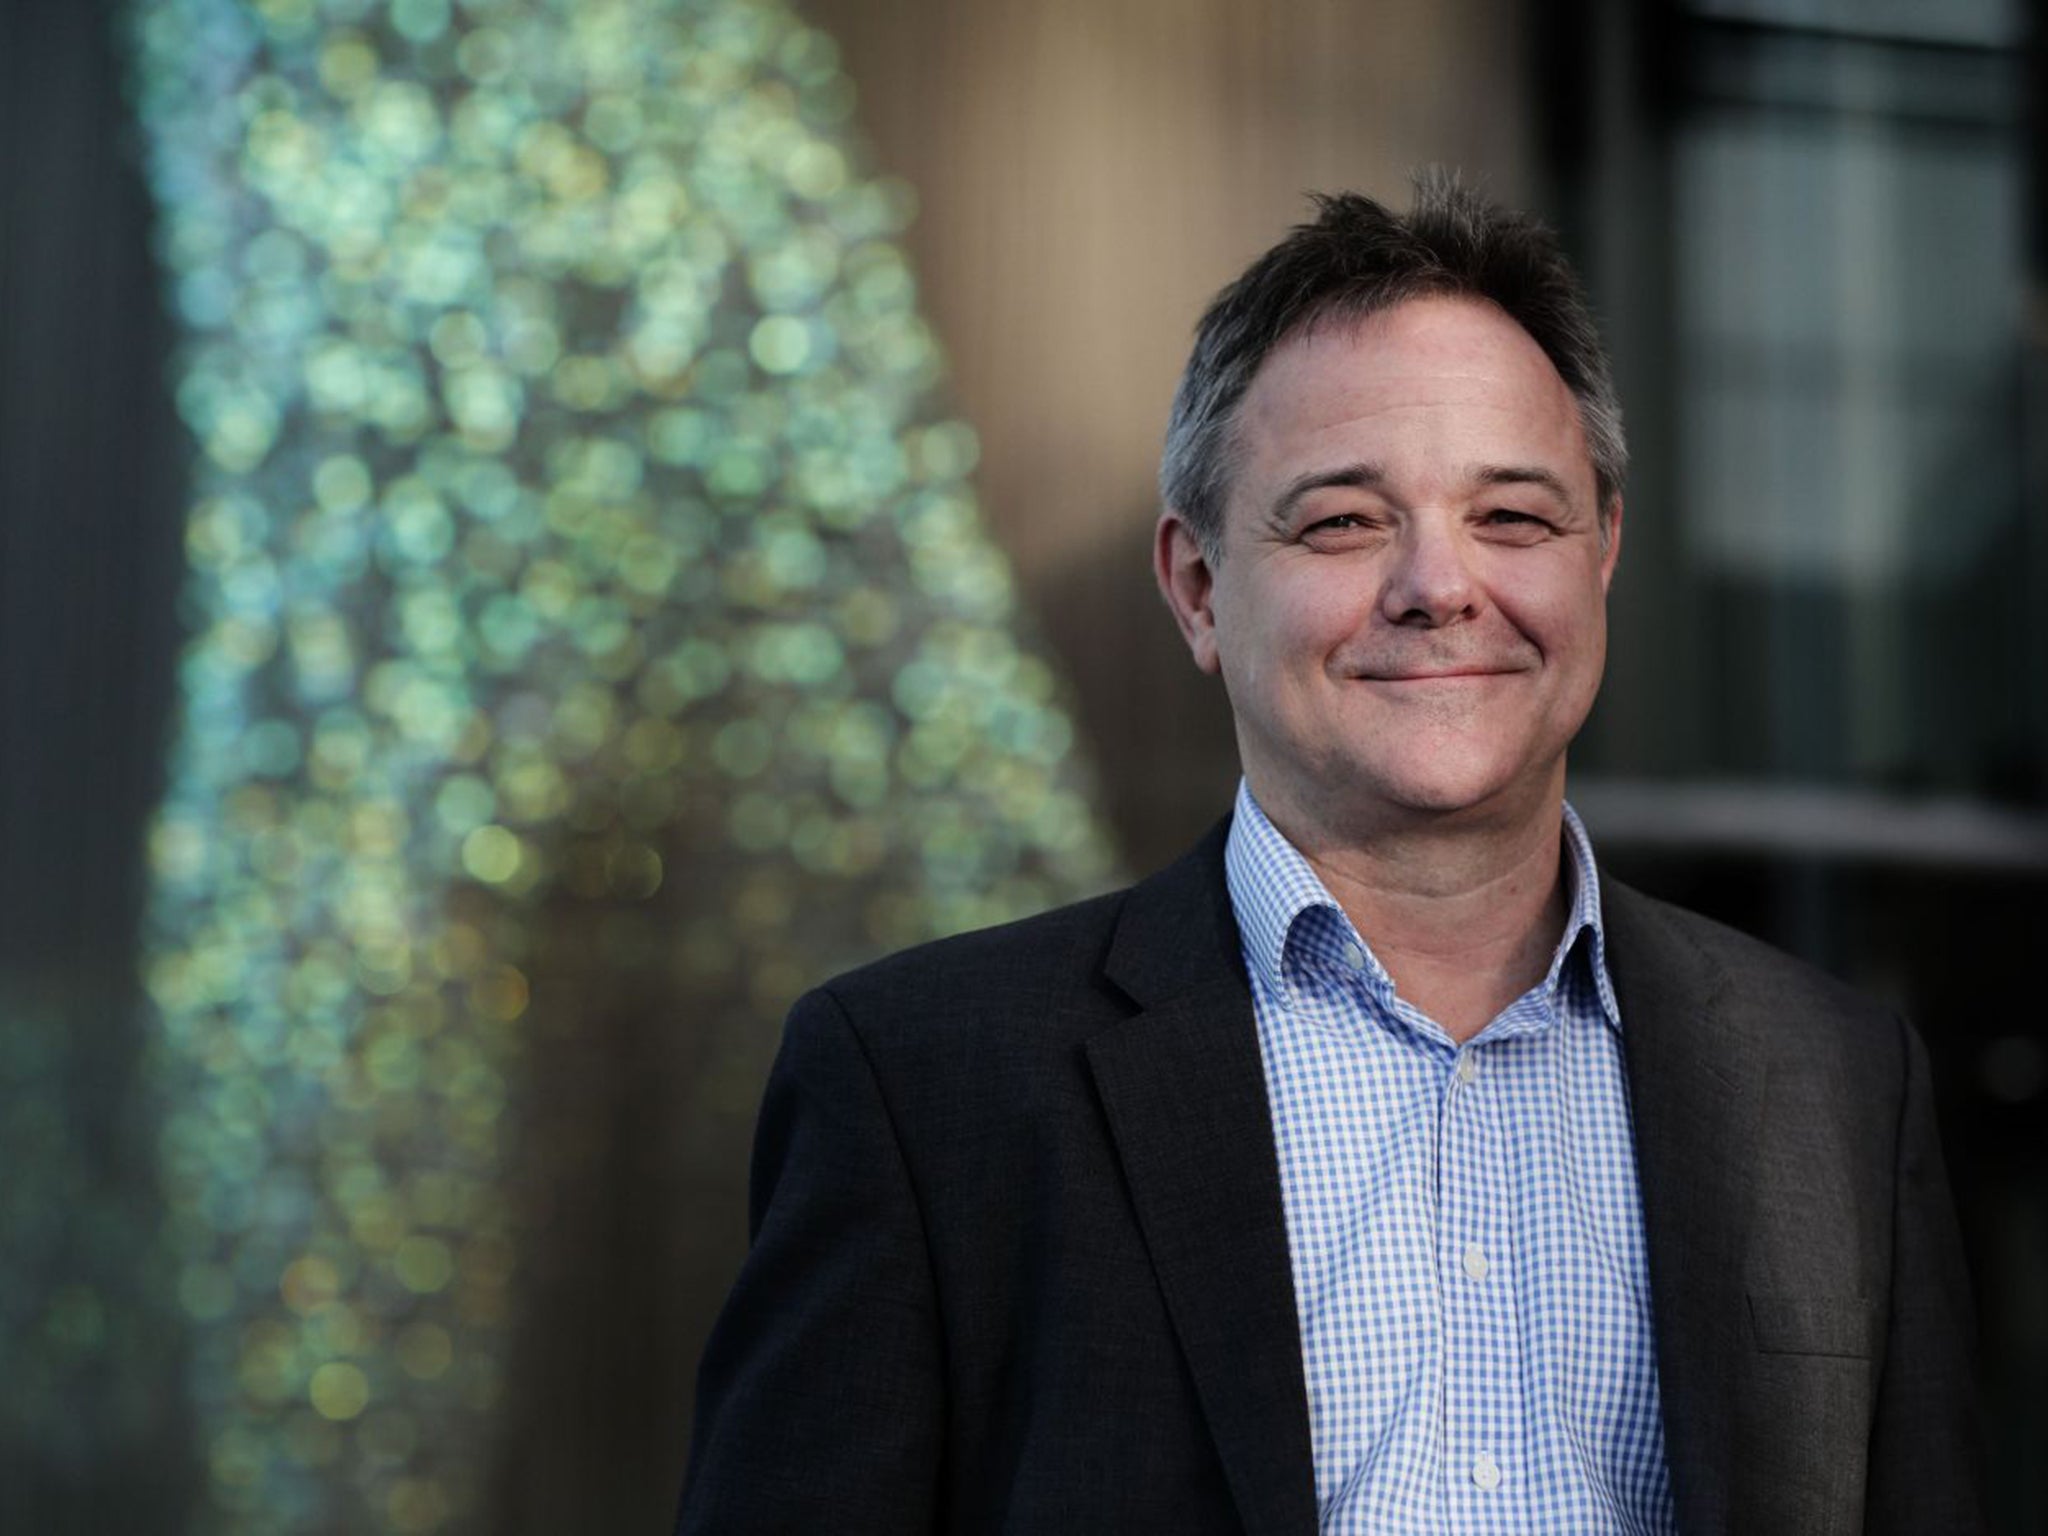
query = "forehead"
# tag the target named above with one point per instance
(1433, 387)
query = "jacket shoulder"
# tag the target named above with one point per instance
(1743, 956)
(1082, 964)
(1017, 967)
(1798, 1008)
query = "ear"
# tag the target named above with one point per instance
(1188, 584)
(1610, 542)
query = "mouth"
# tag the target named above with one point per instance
(1444, 675)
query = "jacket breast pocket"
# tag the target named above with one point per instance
(1785, 1324)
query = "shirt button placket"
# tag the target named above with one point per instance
(1464, 1397)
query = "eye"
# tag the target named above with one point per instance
(1339, 530)
(1514, 522)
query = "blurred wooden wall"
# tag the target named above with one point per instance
(1090, 172)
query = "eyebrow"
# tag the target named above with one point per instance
(1362, 476)
(1524, 474)
(1368, 476)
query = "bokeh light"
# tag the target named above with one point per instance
(576, 522)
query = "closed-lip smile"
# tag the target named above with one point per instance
(1448, 674)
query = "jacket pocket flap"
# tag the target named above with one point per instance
(1812, 1325)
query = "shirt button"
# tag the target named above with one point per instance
(1354, 957)
(1475, 1262)
(1485, 1473)
(1467, 1068)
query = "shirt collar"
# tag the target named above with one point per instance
(1272, 887)
(1585, 917)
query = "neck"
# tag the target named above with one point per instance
(1464, 914)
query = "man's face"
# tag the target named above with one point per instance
(1409, 607)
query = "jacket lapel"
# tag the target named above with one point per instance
(1695, 1077)
(1184, 1090)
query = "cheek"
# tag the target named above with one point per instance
(1311, 618)
(1296, 641)
(1566, 618)
(1277, 634)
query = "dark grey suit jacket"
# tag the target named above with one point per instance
(1020, 1263)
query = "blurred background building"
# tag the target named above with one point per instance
(529, 531)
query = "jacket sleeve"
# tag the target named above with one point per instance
(1925, 1467)
(819, 1400)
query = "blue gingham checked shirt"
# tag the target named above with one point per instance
(1463, 1223)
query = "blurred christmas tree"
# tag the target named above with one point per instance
(595, 640)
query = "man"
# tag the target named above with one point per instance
(1379, 1167)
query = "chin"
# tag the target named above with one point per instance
(1439, 801)
(1441, 789)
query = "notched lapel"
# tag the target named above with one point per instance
(1695, 1077)
(1184, 1091)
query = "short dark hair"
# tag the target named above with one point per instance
(1356, 259)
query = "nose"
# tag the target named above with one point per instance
(1429, 584)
